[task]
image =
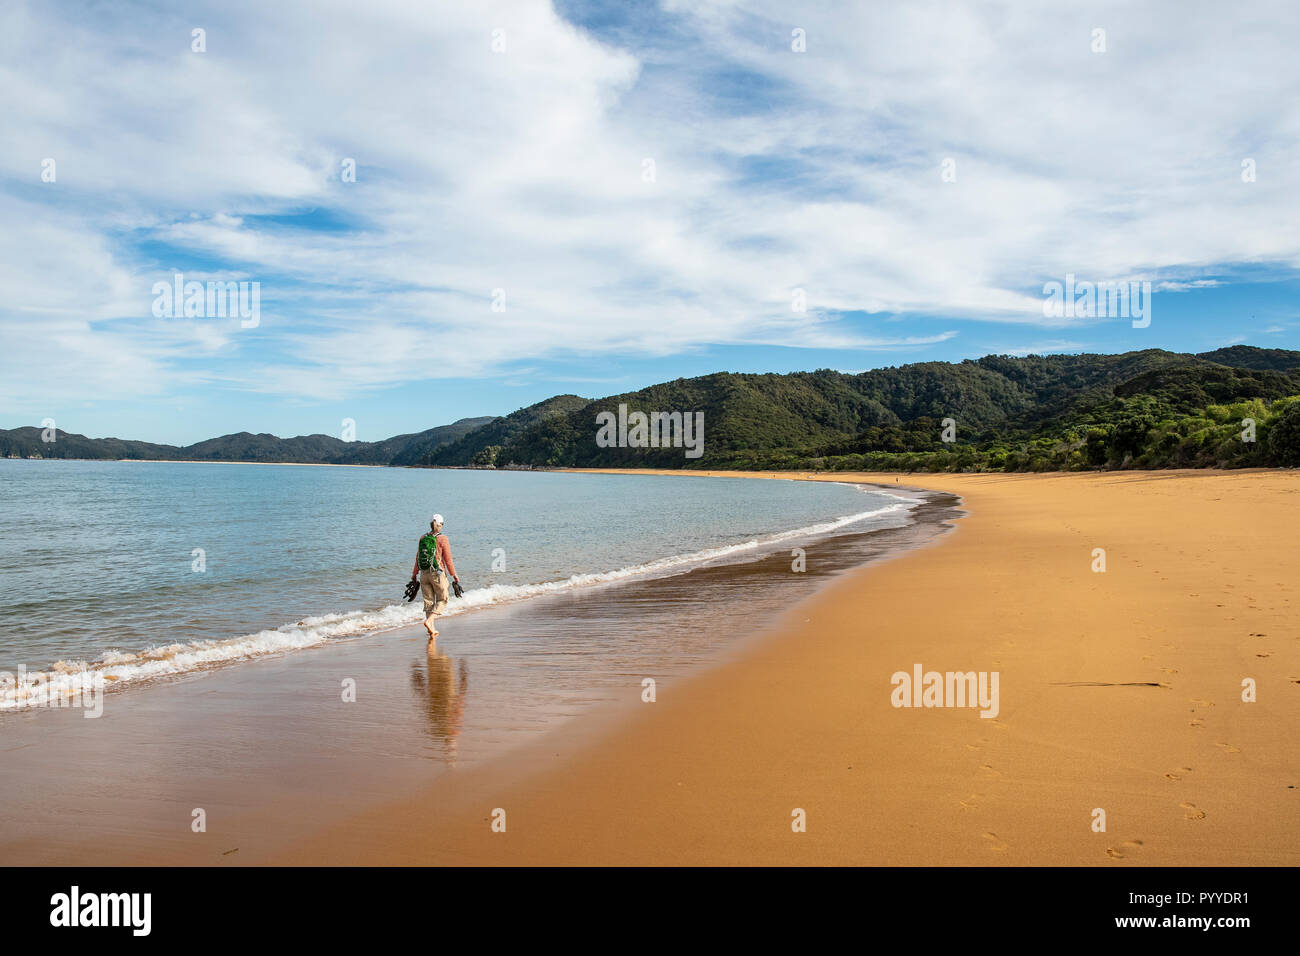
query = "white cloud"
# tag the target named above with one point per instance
(1172, 286)
(523, 170)
(1040, 348)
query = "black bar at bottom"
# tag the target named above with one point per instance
(929, 905)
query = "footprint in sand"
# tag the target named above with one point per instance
(1196, 722)
(1126, 845)
(969, 803)
(1193, 811)
(1265, 654)
(1178, 774)
(1230, 748)
(995, 842)
(990, 771)
(1197, 700)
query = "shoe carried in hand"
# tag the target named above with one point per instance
(455, 586)
(412, 589)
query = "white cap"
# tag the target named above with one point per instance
(437, 519)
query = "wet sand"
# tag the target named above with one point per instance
(1119, 691)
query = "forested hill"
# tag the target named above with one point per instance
(1232, 407)
(1144, 409)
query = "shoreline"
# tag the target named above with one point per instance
(802, 718)
(214, 649)
(212, 461)
(263, 745)
(223, 461)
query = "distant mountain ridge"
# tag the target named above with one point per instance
(1010, 412)
(242, 446)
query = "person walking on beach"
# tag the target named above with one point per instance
(432, 565)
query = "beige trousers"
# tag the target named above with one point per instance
(435, 591)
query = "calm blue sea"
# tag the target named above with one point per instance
(139, 570)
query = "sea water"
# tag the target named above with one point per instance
(134, 571)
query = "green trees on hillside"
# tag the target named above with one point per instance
(1139, 432)
(1148, 409)
(1284, 435)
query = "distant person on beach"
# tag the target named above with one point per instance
(432, 565)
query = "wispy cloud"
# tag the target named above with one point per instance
(1175, 286)
(1040, 348)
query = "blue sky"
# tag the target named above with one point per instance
(525, 169)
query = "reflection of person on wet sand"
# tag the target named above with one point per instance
(443, 696)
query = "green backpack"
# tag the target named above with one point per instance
(427, 556)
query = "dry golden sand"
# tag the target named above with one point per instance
(1198, 595)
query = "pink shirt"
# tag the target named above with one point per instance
(444, 555)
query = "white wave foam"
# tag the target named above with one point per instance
(67, 679)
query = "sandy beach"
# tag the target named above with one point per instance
(1119, 691)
